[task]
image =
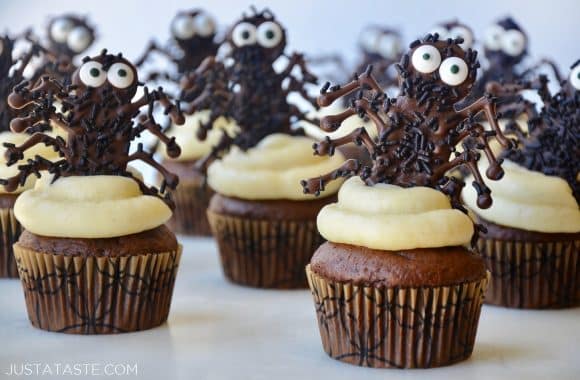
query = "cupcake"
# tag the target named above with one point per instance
(95, 256)
(263, 223)
(192, 194)
(11, 74)
(398, 284)
(533, 229)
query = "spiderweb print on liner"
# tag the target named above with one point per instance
(97, 295)
(397, 327)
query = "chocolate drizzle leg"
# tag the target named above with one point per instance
(98, 114)
(419, 129)
(249, 90)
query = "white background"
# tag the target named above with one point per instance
(314, 26)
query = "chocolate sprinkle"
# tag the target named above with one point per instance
(100, 126)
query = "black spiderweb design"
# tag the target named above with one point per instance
(532, 275)
(374, 327)
(267, 257)
(99, 295)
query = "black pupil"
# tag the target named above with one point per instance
(122, 73)
(269, 34)
(454, 69)
(578, 76)
(95, 72)
(426, 56)
(245, 34)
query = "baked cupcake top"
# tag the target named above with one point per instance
(406, 192)
(541, 187)
(245, 89)
(89, 191)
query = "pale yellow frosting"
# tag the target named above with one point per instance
(388, 217)
(345, 128)
(185, 135)
(528, 200)
(89, 207)
(10, 171)
(272, 169)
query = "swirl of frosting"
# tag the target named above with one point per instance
(389, 217)
(186, 136)
(272, 169)
(529, 200)
(12, 170)
(89, 207)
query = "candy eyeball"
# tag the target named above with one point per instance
(513, 43)
(183, 27)
(244, 34)
(442, 32)
(453, 71)
(269, 34)
(92, 74)
(493, 37)
(575, 77)
(60, 29)
(79, 39)
(120, 75)
(204, 24)
(426, 59)
(388, 45)
(462, 32)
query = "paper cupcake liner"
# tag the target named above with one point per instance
(10, 231)
(97, 295)
(265, 253)
(397, 327)
(191, 201)
(532, 275)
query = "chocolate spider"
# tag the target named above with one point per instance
(419, 129)
(552, 143)
(193, 38)
(11, 74)
(98, 115)
(455, 29)
(249, 90)
(68, 36)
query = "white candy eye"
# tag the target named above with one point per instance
(460, 31)
(60, 29)
(426, 59)
(120, 75)
(269, 34)
(441, 31)
(388, 46)
(453, 71)
(183, 27)
(513, 42)
(244, 34)
(369, 39)
(493, 37)
(92, 74)
(79, 39)
(575, 77)
(204, 25)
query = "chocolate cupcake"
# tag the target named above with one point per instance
(96, 257)
(263, 223)
(192, 195)
(532, 242)
(397, 285)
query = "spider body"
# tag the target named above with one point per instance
(99, 116)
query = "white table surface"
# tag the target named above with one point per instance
(217, 330)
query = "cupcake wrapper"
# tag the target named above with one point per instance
(397, 327)
(265, 253)
(10, 232)
(532, 275)
(97, 295)
(191, 201)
